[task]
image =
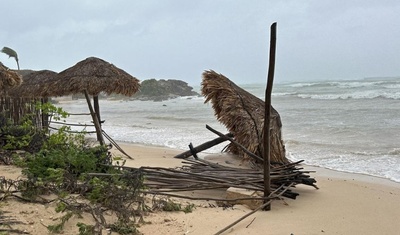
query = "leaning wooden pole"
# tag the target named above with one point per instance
(96, 107)
(95, 120)
(203, 146)
(267, 117)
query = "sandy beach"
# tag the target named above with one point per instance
(344, 204)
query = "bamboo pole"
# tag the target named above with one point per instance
(267, 117)
(116, 145)
(247, 215)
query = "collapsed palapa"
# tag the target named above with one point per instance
(243, 115)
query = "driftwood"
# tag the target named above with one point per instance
(202, 175)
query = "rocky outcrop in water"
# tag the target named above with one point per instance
(159, 90)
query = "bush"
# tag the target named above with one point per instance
(64, 158)
(62, 165)
(23, 136)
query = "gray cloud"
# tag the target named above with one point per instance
(180, 39)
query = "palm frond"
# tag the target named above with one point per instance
(11, 53)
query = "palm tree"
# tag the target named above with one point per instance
(11, 53)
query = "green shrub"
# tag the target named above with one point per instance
(64, 158)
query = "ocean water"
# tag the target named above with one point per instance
(351, 126)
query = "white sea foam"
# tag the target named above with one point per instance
(350, 126)
(302, 84)
(353, 95)
(355, 84)
(392, 86)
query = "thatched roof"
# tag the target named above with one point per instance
(36, 84)
(95, 75)
(8, 78)
(243, 115)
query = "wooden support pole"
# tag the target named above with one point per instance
(267, 117)
(255, 157)
(45, 116)
(95, 120)
(203, 146)
(96, 106)
(194, 153)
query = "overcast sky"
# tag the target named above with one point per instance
(317, 40)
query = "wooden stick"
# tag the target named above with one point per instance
(203, 146)
(235, 143)
(194, 153)
(96, 106)
(246, 215)
(95, 120)
(267, 116)
(71, 124)
(88, 132)
(116, 145)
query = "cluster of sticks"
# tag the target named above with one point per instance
(198, 174)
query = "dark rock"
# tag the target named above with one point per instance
(159, 90)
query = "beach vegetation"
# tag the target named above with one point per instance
(22, 136)
(85, 229)
(124, 228)
(188, 208)
(53, 111)
(166, 204)
(64, 164)
(58, 228)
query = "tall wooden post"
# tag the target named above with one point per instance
(96, 106)
(95, 120)
(45, 116)
(267, 116)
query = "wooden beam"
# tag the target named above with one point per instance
(96, 106)
(95, 120)
(203, 147)
(267, 118)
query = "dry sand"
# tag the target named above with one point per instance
(344, 204)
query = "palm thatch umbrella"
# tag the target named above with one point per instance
(93, 76)
(36, 84)
(243, 115)
(34, 88)
(8, 78)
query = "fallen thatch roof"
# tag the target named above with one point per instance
(243, 115)
(95, 75)
(35, 84)
(8, 78)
